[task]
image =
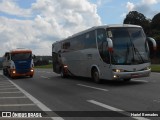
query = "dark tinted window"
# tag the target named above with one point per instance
(90, 40)
(77, 43)
(80, 42)
(102, 45)
(66, 45)
(21, 56)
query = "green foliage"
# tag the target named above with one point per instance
(137, 18)
(151, 28)
(155, 25)
(157, 37)
(44, 66)
(156, 22)
(134, 17)
(155, 68)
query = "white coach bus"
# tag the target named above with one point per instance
(108, 52)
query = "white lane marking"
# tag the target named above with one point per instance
(45, 77)
(14, 105)
(35, 101)
(10, 92)
(158, 101)
(13, 97)
(93, 87)
(5, 83)
(8, 88)
(104, 105)
(115, 109)
(139, 80)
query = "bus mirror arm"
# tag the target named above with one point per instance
(153, 42)
(110, 45)
(33, 56)
(110, 49)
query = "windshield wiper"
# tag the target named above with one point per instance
(137, 51)
(127, 53)
(134, 49)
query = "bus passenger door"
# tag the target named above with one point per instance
(89, 56)
(56, 62)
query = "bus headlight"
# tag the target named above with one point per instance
(32, 70)
(148, 68)
(13, 71)
(118, 70)
(115, 76)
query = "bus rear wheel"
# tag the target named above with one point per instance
(95, 76)
(63, 74)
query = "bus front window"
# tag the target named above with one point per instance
(21, 56)
(129, 46)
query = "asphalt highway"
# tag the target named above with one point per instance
(77, 98)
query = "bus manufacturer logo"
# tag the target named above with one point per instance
(22, 61)
(134, 69)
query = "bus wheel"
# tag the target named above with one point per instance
(4, 72)
(95, 76)
(63, 74)
(31, 76)
(11, 76)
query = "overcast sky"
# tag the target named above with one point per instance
(36, 24)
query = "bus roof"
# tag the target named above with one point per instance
(96, 27)
(21, 51)
(105, 26)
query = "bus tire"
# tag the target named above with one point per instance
(11, 77)
(31, 76)
(4, 72)
(63, 75)
(95, 76)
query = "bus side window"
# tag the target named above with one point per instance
(90, 41)
(102, 44)
(66, 46)
(100, 39)
(8, 56)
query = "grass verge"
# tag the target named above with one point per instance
(155, 68)
(44, 66)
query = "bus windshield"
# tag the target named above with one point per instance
(129, 46)
(21, 56)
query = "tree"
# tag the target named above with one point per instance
(155, 25)
(137, 18)
(156, 22)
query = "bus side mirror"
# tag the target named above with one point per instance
(33, 56)
(153, 42)
(110, 44)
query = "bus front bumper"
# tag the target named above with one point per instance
(13, 73)
(130, 75)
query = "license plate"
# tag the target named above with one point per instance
(134, 75)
